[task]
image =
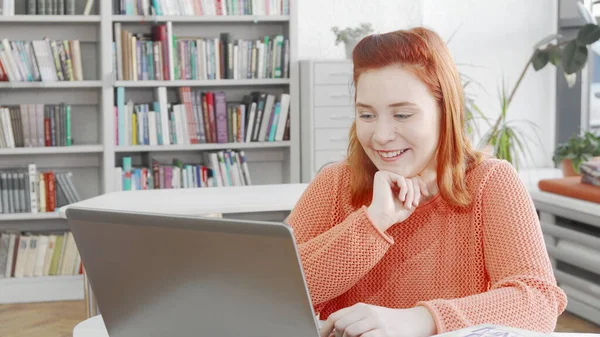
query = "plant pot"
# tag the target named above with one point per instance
(567, 168)
(349, 47)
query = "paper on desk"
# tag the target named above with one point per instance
(492, 330)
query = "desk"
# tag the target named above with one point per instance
(243, 201)
(199, 201)
(94, 327)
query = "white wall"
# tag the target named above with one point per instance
(496, 36)
(316, 17)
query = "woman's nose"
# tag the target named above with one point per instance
(384, 132)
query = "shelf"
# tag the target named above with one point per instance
(57, 84)
(28, 216)
(41, 289)
(76, 149)
(202, 83)
(199, 19)
(50, 18)
(205, 147)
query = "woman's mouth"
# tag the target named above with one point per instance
(391, 155)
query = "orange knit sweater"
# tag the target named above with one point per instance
(484, 264)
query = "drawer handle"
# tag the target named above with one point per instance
(340, 74)
(339, 96)
(342, 117)
(338, 139)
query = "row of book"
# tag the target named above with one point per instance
(590, 172)
(202, 117)
(40, 60)
(35, 191)
(35, 125)
(217, 169)
(203, 7)
(50, 7)
(160, 55)
(25, 254)
(44, 7)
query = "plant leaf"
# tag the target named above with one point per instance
(571, 79)
(574, 57)
(539, 59)
(588, 34)
(554, 53)
(547, 39)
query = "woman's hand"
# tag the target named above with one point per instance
(364, 320)
(394, 198)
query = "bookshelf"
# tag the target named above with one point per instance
(94, 154)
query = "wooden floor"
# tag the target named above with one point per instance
(57, 319)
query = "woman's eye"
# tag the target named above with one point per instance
(366, 115)
(401, 116)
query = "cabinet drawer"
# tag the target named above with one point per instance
(333, 117)
(333, 95)
(333, 73)
(331, 139)
(325, 157)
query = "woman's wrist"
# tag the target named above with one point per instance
(379, 220)
(425, 322)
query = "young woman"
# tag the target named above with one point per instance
(416, 233)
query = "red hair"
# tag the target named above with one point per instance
(423, 52)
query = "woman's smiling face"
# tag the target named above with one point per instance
(397, 120)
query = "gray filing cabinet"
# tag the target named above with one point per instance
(326, 113)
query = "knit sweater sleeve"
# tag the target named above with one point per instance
(523, 292)
(335, 250)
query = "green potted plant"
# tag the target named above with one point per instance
(350, 36)
(505, 140)
(575, 151)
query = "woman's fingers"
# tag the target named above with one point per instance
(417, 191)
(411, 190)
(341, 324)
(402, 184)
(410, 194)
(328, 326)
(359, 328)
(373, 333)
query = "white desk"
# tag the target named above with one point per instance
(232, 200)
(94, 327)
(198, 201)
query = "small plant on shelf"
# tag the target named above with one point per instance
(350, 36)
(575, 151)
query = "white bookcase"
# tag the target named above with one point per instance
(94, 155)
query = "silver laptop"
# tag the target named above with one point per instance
(167, 275)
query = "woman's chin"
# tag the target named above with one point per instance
(401, 170)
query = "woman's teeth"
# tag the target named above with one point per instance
(391, 154)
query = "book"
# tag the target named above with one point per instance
(31, 190)
(159, 54)
(42, 60)
(201, 116)
(216, 169)
(202, 8)
(48, 253)
(590, 172)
